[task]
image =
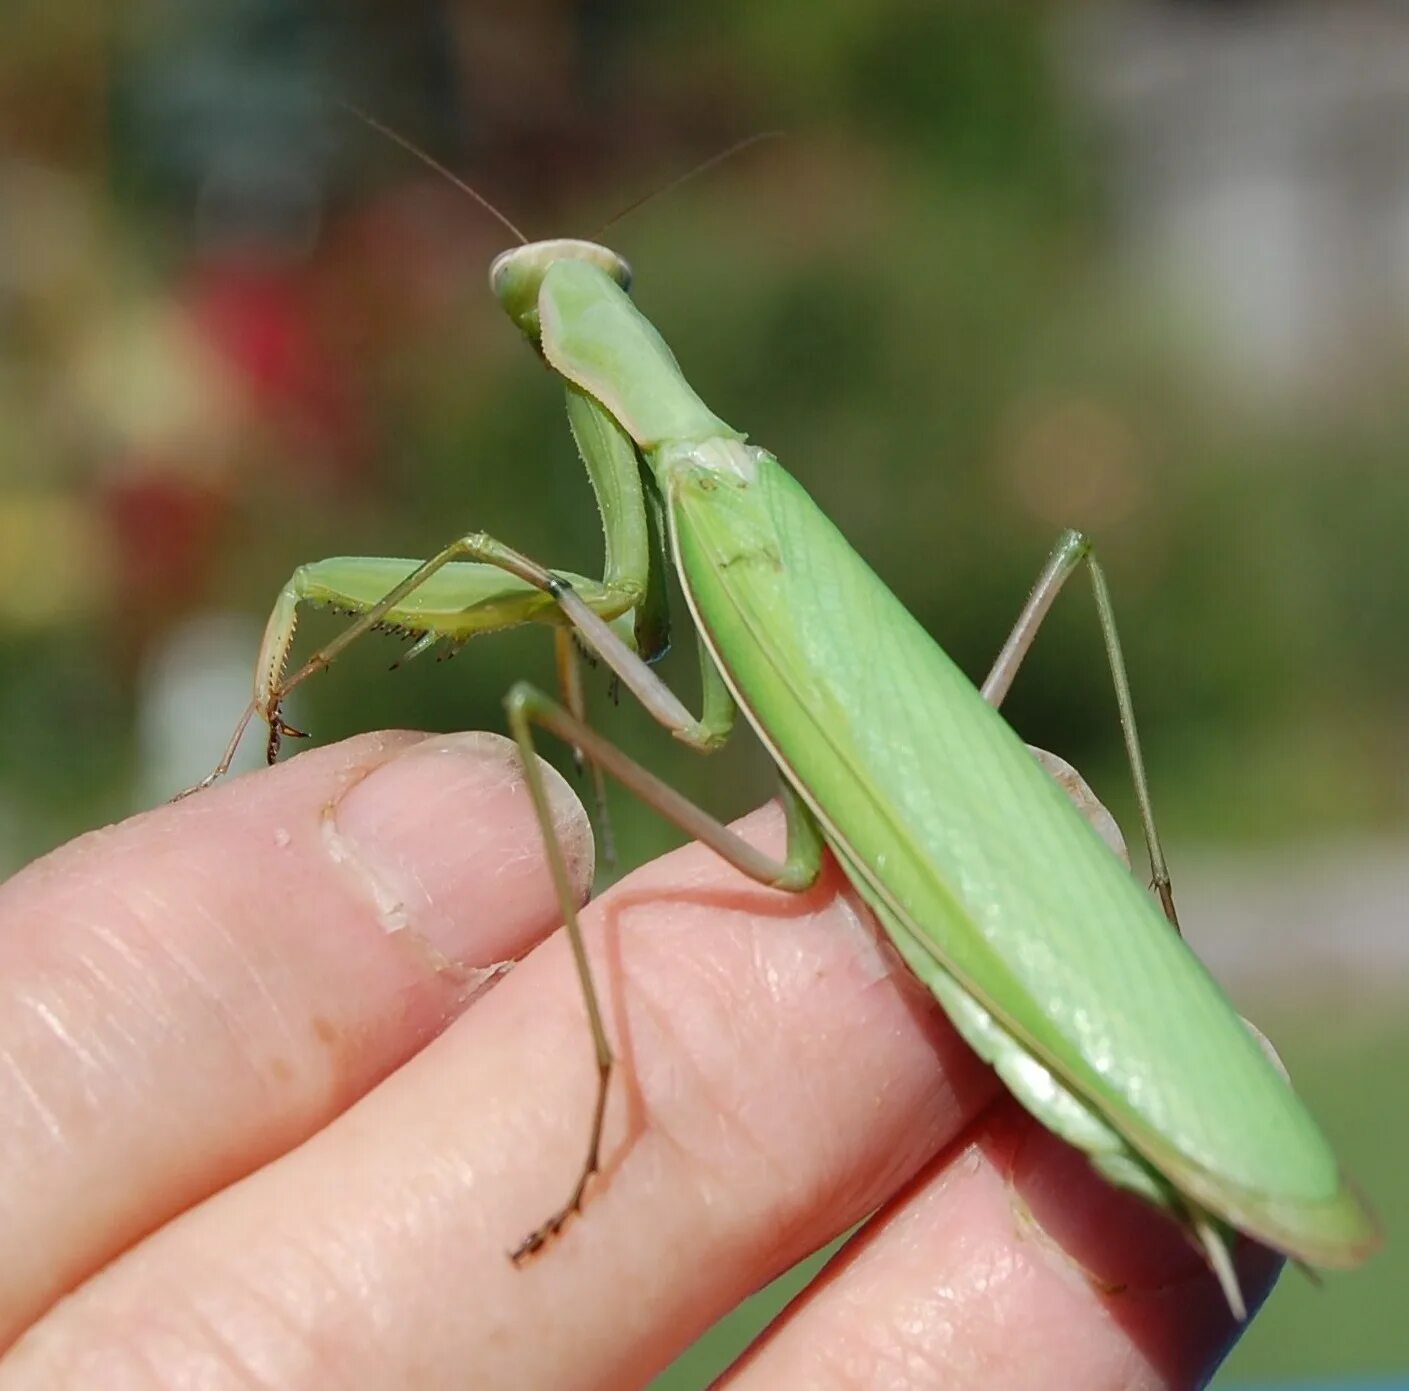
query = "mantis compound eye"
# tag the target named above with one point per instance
(515, 275)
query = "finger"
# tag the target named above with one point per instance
(780, 1076)
(187, 995)
(1010, 1265)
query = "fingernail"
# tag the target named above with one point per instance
(445, 841)
(1117, 1240)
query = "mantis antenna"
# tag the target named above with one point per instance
(736, 148)
(397, 138)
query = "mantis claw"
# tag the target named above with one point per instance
(535, 1241)
(279, 729)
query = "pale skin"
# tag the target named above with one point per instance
(257, 1119)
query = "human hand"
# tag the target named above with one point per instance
(262, 1126)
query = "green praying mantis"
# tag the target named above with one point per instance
(1053, 963)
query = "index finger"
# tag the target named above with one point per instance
(188, 995)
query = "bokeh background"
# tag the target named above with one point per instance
(1138, 268)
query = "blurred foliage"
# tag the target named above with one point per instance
(240, 331)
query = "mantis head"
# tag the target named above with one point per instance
(515, 275)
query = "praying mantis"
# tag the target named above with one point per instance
(1053, 963)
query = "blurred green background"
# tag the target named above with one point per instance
(1142, 269)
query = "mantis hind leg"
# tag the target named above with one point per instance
(1071, 550)
(796, 872)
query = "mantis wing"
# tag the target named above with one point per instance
(984, 870)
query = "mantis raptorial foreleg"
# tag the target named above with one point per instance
(796, 872)
(462, 591)
(1071, 550)
(473, 585)
(567, 657)
(499, 608)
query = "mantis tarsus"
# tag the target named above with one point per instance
(1050, 959)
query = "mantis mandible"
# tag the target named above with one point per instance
(1049, 958)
